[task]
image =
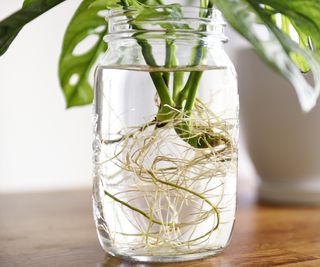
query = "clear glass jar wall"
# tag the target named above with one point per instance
(166, 138)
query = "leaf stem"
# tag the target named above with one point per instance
(192, 88)
(157, 78)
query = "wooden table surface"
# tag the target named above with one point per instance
(56, 229)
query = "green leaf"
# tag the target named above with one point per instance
(11, 26)
(288, 28)
(75, 69)
(280, 50)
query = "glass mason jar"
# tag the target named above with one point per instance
(166, 136)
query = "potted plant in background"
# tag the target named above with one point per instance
(166, 111)
(281, 141)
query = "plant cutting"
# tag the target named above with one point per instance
(166, 110)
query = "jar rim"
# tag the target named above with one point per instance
(188, 22)
(216, 15)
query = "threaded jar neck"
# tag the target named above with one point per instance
(173, 22)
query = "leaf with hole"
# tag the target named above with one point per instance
(280, 50)
(83, 44)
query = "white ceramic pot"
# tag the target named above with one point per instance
(282, 141)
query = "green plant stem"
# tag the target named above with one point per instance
(156, 77)
(189, 92)
(168, 62)
(196, 56)
(165, 113)
(192, 87)
(177, 84)
(187, 96)
(177, 78)
(161, 81)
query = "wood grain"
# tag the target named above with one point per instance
(56, 229)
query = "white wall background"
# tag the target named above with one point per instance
(43, 146)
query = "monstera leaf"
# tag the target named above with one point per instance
(280, 50)
(75, 67)
(11, 26)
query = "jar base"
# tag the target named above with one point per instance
(158, 255)
(166, 259)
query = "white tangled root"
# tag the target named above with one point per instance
(172, 189)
